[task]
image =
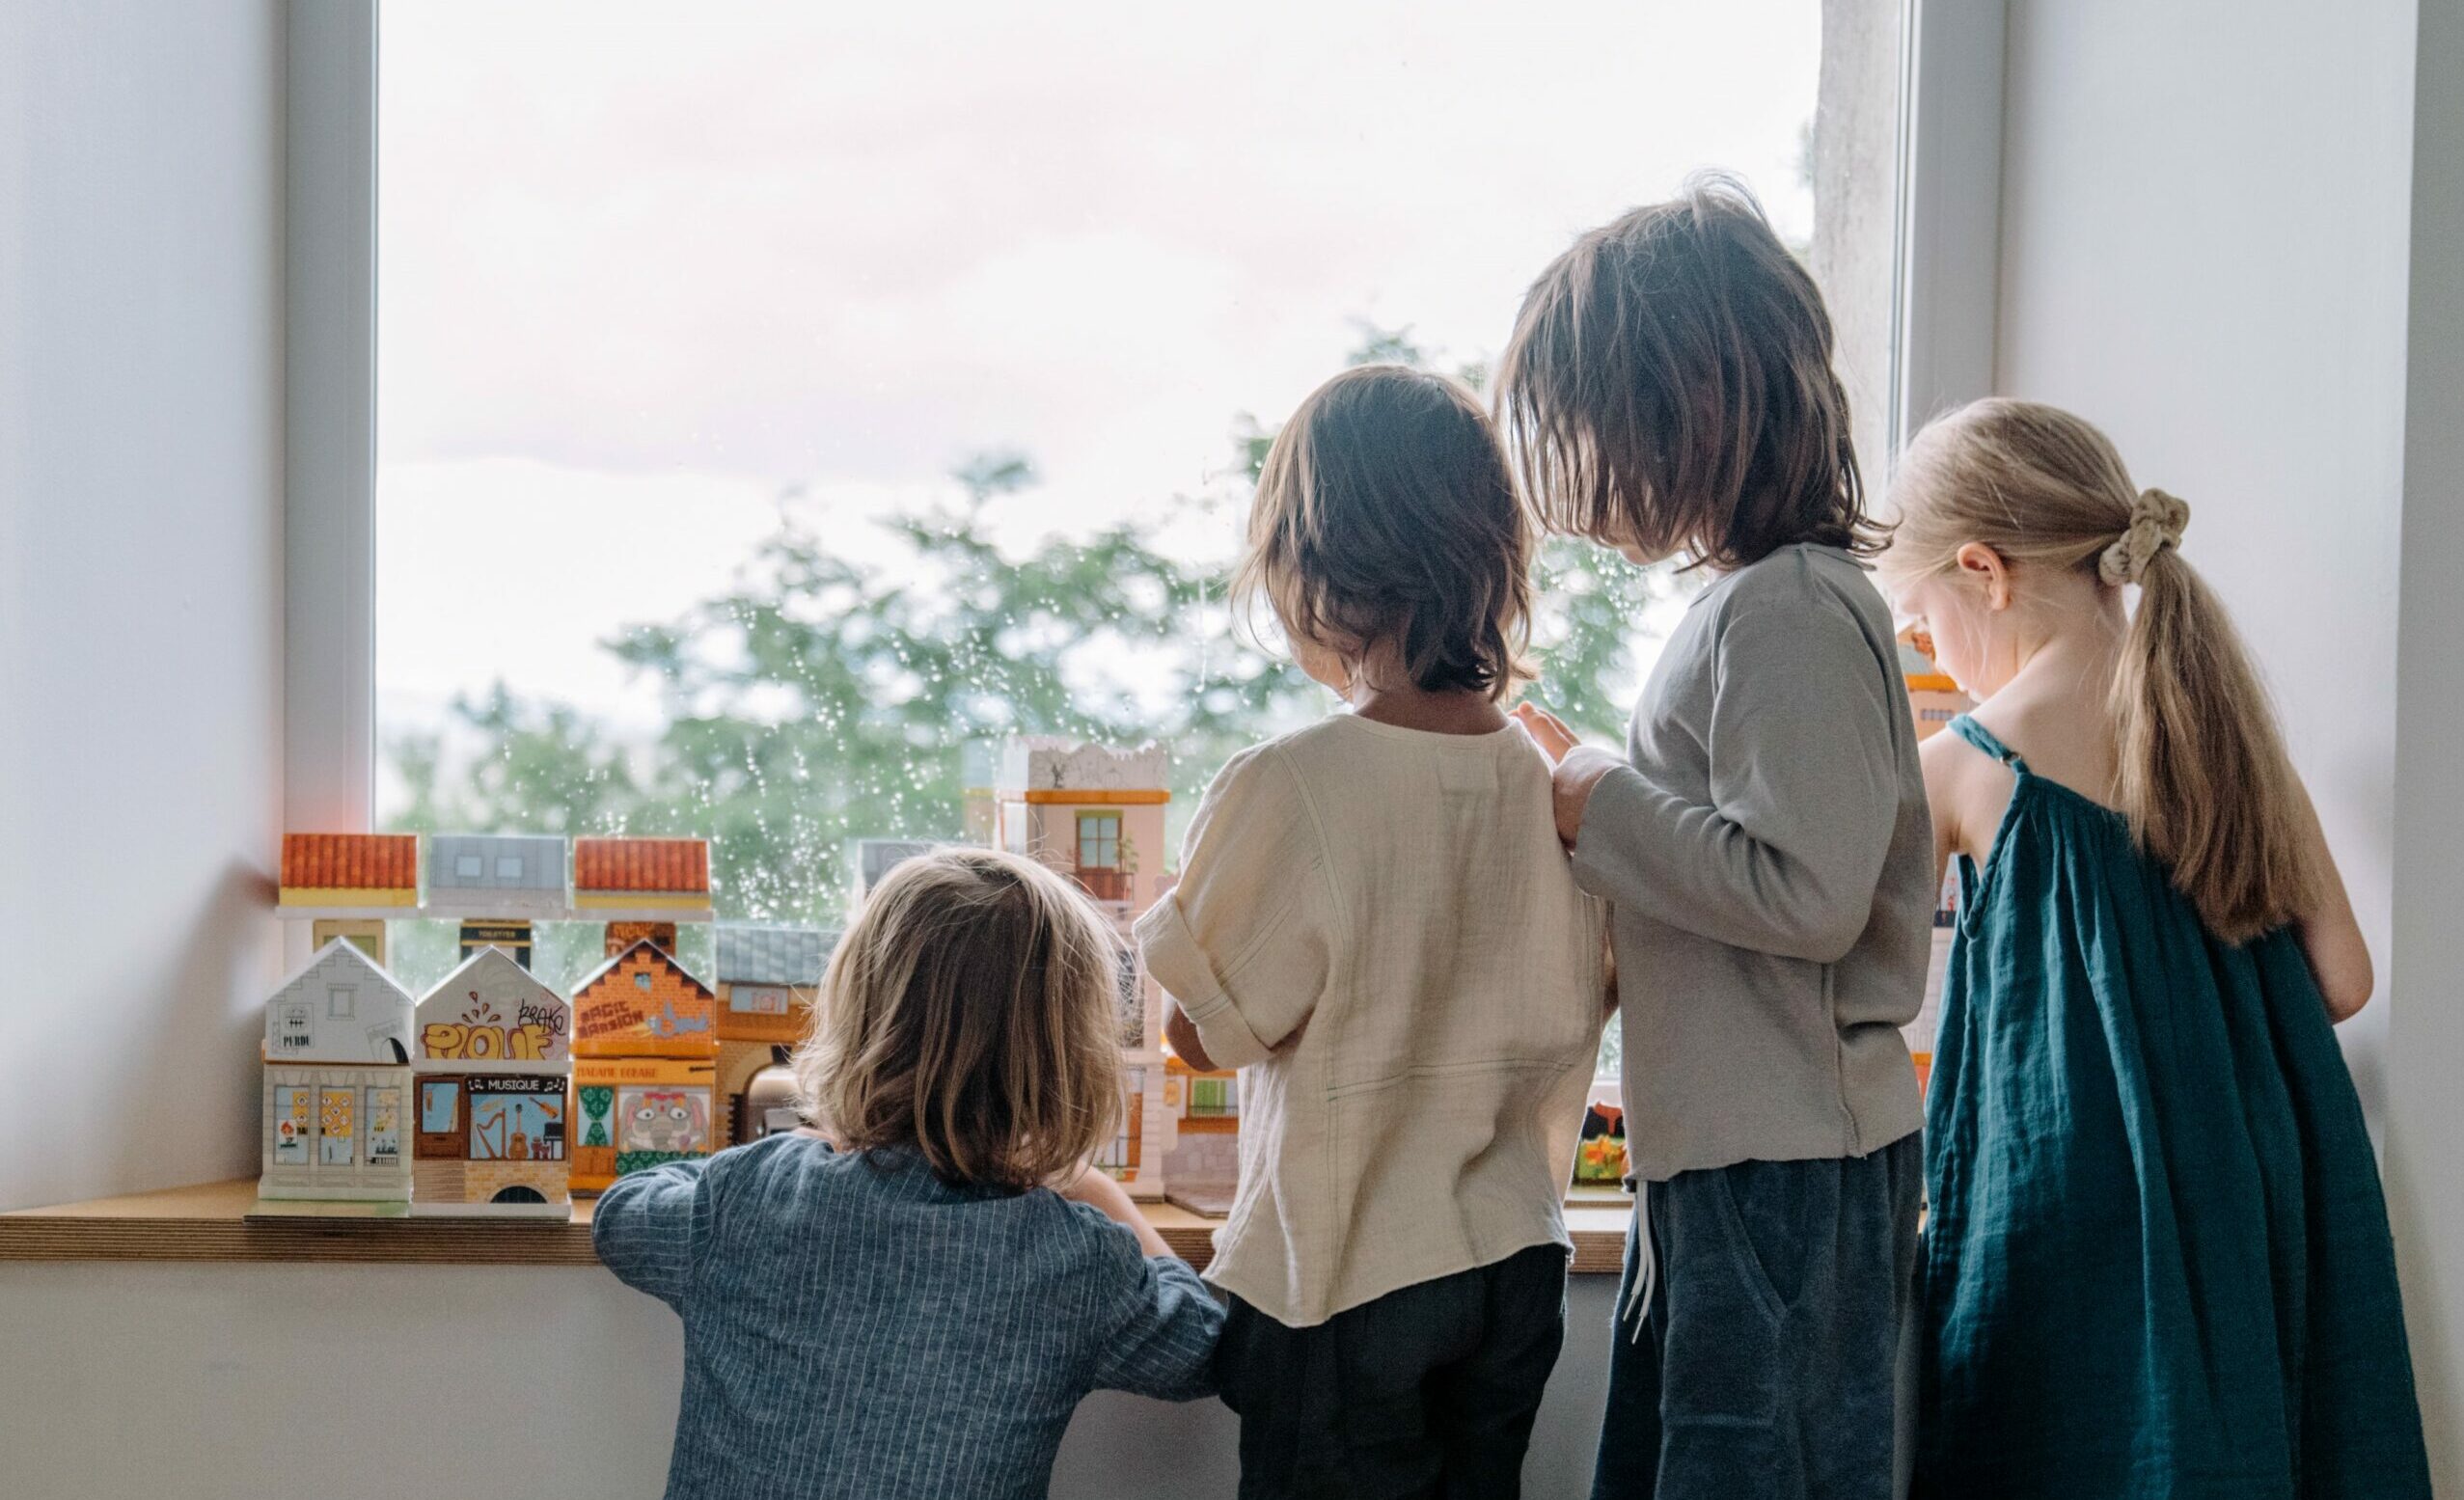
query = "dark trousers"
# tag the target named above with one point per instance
(1766, 1362)
(1428, 1391)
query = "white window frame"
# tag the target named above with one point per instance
(1947, 285)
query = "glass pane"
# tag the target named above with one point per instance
(807, 393)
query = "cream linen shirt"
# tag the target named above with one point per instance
(1378, 927)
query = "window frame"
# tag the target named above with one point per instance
(1947, 285)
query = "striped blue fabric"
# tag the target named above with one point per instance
(855, 1327)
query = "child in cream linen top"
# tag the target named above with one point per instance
(1378, 927)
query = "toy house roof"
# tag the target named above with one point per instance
(600, 975)
(490, 989)
(351, 861)
(875, 857)
(506, 861)
(339, 1007)
(663, 865)
(1051, 763)
(753, 953)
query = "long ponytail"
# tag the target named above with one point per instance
(2205, 781)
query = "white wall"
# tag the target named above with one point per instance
(214, 1381)
(141, 446)
(2425, 1117)
(2203, 251)
(2206, 210)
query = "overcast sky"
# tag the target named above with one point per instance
(644, 265)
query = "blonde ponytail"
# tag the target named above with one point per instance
(2204, 778)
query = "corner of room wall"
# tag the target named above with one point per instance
(2424, 1117)
(140, 381)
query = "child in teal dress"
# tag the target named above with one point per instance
(2158, 1261)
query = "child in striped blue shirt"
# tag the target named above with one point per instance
(915, 1305)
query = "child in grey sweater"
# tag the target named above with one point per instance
(1764, 846)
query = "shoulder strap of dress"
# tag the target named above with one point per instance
(1981, 738)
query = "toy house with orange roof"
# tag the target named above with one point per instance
(768, 978)
(1935, 700)
(645, 1066)
(348, 883)
(338, 1079)
(1204, 1167)
(489, 1137)
(647, 880)
(1095, 815)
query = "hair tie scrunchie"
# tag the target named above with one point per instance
(2157, 521)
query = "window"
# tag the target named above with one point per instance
(508, 867)
(1099, 840)
(468, 866)
(439, 1098)
(340, 1002)
(814, 405)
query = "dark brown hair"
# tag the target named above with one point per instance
(971, 1014)
(1669, 387)
(1386, 512)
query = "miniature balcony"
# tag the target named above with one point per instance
(1104, 884)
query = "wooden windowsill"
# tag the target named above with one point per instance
(210, 1222)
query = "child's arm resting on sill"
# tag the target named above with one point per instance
(1804, 797)
(649, 1228)
(1164, 1324)
(1241, 944)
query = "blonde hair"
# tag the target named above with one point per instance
(1669, 386)
(971, 1014)
(2205, 781)
(1386, 511)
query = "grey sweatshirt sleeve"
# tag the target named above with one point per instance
(1804, 785)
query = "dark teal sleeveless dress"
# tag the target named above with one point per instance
(2157, 1261)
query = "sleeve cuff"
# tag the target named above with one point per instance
(1181, 967)
(1614, 805)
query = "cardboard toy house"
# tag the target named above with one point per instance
(1600, 1159)
(1935, 700)
(497, 883)
(337, 1084)
(645, 1064)
(368, 877)
(620, 936)
(768, 980)
(1096, 815)
(494, 1055)
(1204, 1167)
(660, 880)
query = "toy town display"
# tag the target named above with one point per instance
(1096, 815)
(768, 978)
(644, 1067)
(338, 1080)
(494, 1057)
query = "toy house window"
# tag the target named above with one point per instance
(1099, 840)
(438, 1099)
(508, 867)
(341, 1001)
(468, 866)
(641, 982)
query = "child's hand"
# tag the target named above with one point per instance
(1547, 730)
(1096, 1189)
(1578, 767)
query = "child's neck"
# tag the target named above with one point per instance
(1382, 693)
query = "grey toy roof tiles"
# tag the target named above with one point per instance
(504, 862)
(750, 953)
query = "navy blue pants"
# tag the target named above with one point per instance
(1430, 1391)
(1765, 1364)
